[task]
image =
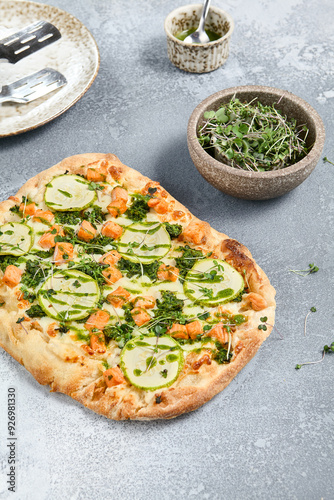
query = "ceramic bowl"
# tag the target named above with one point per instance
(198, 58)
(257, 185)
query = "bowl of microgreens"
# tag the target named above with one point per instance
(255, 142)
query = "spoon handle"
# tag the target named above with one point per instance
(205, 11)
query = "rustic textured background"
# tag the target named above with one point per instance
(270, 434)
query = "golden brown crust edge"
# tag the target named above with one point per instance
(80, 377)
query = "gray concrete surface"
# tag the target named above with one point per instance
(269, 435)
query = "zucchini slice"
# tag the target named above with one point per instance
(151, 362)
(69, 192)
(68, 295)
(15, 238)
(212, 281)
(144, 242)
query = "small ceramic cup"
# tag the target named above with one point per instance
(198, 58)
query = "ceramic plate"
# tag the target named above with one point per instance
(75, 55)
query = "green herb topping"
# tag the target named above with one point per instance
(174, 230)
(35, 312)
(222, 355)
(131, 269)
(188, 259)
(70, 218)
(138, 208)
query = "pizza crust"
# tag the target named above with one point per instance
(68, 370)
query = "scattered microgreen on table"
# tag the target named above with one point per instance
(312, 268)
(252, 136)
(326, 160)
(312, 310)
(326, 350)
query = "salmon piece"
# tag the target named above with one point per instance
(63, 253)
(159, 205)
(96, 174)
(153, 185)
(117, 208)
(111, 229)
(12, 276)
(119, 194)
(98, 320)
(111, 257)
(196, 232)
(97, 343)
(119, 198)
(162, 207)
(28, 209)
(219, 332)
(194, 328)
(47, 240)
(255, 301)
(118, 297)
(167, 273)
(97, 171)
(145, 302)
(178, 331)
(140, 316)
(86, 231)
(114, 376)
(44, 216)
(52, 330)
(112, 274)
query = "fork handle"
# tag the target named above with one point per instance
(4, 54)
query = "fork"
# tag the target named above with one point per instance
(33, 86)
(27, 41)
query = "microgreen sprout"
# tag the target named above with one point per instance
(252, 136)
(326, 349)
(312, 310)
(264, 324)
(19, 321)
(312, 268)
(93, 186)
(229, 342)
(329, 348)
(326, 160)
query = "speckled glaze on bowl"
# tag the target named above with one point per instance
(198, 58)
(257, 185)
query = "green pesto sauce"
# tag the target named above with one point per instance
(181, 35)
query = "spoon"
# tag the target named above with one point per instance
(199, 36)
